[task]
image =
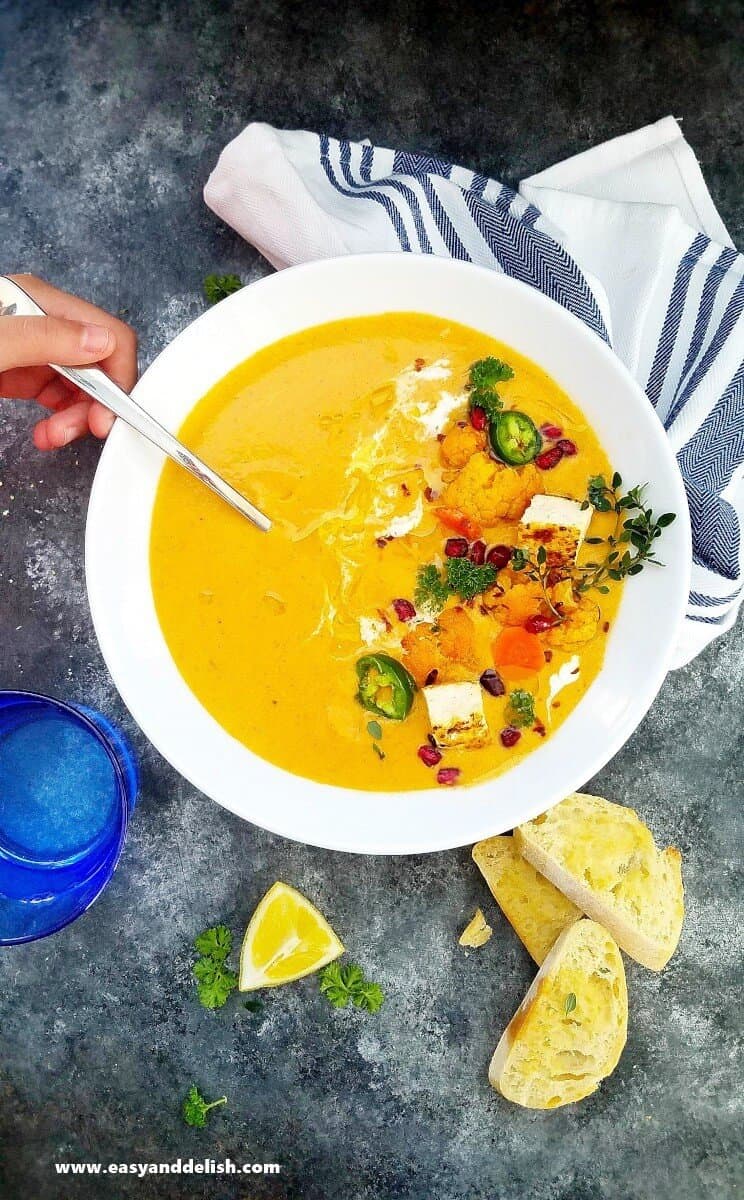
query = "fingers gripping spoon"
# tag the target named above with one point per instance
(14, 301)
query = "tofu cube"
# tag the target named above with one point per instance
(456, 714)
(558, 524)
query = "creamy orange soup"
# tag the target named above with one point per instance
(362, 440)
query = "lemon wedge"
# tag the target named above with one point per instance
(286, 938)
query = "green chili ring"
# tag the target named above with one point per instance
(386, 688)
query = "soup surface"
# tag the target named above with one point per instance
(401, 626)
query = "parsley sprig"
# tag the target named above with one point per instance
(344, 985)
(631, 544)
(214, 982)
(459, 577)
(217, 287)
(520, 710)
(195, 1108)
(482, 379)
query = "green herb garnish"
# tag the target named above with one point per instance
(631, 544)
(432, 591)
(216, 942)
(341, 985)
(460, 577)
(482, 379)
(520, 711)
(378, 751)
(538, 571)
(195, 1108)
(214, 982)
(570, 1003)
(217, 287)
(374, 729)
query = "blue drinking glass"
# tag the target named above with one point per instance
(68, 784)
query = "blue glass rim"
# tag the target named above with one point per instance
(109, 862)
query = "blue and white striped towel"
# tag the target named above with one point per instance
(626, 236)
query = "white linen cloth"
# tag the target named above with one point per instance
(624, 235)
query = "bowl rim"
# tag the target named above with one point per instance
(594, 761)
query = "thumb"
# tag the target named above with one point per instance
(36, 341)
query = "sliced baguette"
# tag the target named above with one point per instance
(569, 1031)
(536, 910)
(604, 859)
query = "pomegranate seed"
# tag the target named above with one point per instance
(549, 458)
(539, 623)
(499, 556)
(478, 419)
(492, 683)
(404, 610)
(567, 447)
(448, 776)
(456, 547)
(551, 432)
(510, 736)
(429, 755)
(477, 553)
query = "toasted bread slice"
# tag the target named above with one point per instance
(537, 911)
(604, 859)
(569, 1031)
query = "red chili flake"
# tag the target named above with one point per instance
(462, 424)
(548, 655)
(456, 547)
(499, 556)
(478, 419)
(510, 736)
(429, 755)
(419, 364)
(405, 489)
(539, 728)
(567, 447)
(448, 776)
(431, 740)
(440, 437)
(542, 535)
(606, 627)
(538, 623)
(477, 553)
(404, 610)
(383, 541)
(549, 458)
(431, 677)
(556, 704)
(551, 432)
(430, 494)
(385, 620)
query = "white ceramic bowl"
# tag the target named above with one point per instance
(121, 598)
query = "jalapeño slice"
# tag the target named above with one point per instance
(385, 686)
(515, 438)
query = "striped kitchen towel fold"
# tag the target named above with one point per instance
(625, 236)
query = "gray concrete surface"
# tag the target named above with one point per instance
(111, 115)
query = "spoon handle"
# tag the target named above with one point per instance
(15, 301)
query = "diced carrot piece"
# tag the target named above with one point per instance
(515, 647)
(457, 520)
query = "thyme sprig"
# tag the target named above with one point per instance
(631, 544)
(537, 570)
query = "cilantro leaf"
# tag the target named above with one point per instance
(195, 1108)
(520, 711)
(487, 372)
(468, 579)
(344, 985)
(216, 942)
(216, 287)
(432, 590)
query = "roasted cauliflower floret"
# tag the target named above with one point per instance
(487, 491)
(447, 647)
(579, 627)
(517, 603)
(460, 444)
(562, 596)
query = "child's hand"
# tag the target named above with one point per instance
(74, 334)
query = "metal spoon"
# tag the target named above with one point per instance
(14, 301)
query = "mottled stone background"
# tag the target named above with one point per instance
(111, 116)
